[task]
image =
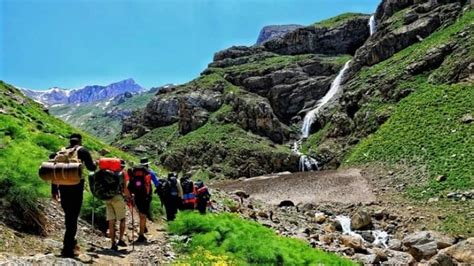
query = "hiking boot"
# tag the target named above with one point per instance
(68, 254)
(114, 247)
(121, 243)
(141, 239)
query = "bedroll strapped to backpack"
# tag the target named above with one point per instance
(140, 183)
(64, 169)
(105, 184)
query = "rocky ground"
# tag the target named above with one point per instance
(20, 248)
(369, 206)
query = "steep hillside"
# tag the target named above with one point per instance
(102, 119)
(28, 135)
(274, 31)
(415, 108)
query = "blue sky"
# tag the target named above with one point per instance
(72, 43)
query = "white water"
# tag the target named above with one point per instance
(381, 238)
(311, 115)
(372, 25)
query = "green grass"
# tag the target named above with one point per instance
(393, 67)
(338, 20)
(311, 144)
(28, 136)
(226, 238)
(425, 129)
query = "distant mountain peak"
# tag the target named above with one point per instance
(86, 94)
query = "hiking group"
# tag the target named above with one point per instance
(118, 187)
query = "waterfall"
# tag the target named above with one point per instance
(311, 115)
(372, 25)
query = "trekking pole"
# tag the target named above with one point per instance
(133, 223)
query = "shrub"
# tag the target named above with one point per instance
(238, 241)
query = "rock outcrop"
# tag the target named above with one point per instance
(275, 31)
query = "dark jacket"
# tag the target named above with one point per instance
(85, 156)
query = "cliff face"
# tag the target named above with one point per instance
(260, 94)
(256, 93)
(275, 31)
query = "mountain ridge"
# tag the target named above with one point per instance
(86, 94)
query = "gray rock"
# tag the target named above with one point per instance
(399, 258)
(423, 251)
(360, 219)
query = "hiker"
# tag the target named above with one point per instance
(71, 196)
(139, 185)
(202, 196)
(116, 208)
(170, 193)
(189, 193)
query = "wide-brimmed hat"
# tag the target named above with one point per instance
(144, 161)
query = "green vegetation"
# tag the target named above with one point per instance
(393, 67)
(338, 20)
(426, 129)
(226, 238)
(28, 136)
(311, 144)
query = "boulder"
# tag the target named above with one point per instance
(326, 238)
(398, 258)
(423, 237)
(360, 219)
(462, 252)
(395, 244)
(441, 259)
(352, 242)
(423, 251)
(319, 217)
(370, 259)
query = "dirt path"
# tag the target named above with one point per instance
(95, 247)
(339, 186)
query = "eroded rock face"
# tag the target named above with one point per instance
(275, 31)
(344, 39)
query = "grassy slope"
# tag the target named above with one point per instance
(425, 128)
(27, 137)
(337, 20)
(226, 238)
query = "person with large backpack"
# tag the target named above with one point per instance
(108, 184)
(189, 193)
(170, 193)
(202, 196)
(139, 185)
(71, 196)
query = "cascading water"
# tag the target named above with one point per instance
(345, 223)
(311, 115)
(307, 163)
(381, 237)
(372, 25)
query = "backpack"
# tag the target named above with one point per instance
(111, 164)
(69, 155)
(162, 189)
(105, 184)
(189, 196)
(139, 183)
(64, 169)
(202, 193)
(173, 186)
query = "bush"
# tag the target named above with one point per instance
(232, 239)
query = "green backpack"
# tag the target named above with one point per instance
(106, 184)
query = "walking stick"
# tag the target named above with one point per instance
(131, 204)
